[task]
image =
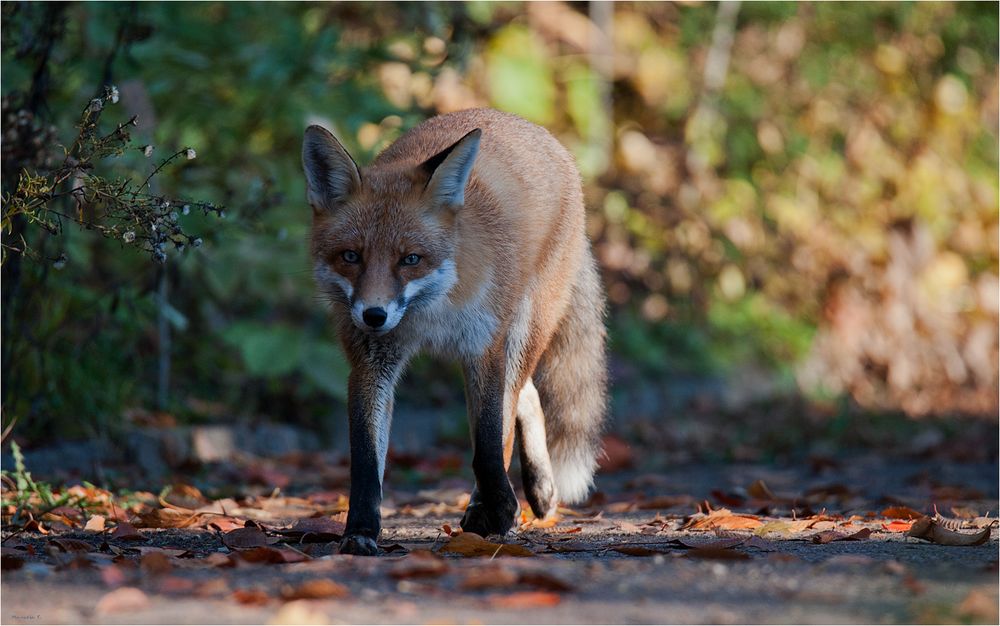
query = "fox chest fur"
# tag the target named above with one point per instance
(478, 266)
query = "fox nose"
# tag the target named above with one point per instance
(375, 317)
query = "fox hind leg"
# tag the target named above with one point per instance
(536, 468)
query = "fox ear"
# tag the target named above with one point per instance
(331, 173)
(448, 171)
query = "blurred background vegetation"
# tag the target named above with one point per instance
(787, 199)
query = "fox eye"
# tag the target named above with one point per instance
(410, 259)
(350, 256)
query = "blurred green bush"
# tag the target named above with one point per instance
(817, 199)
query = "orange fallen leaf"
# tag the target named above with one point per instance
(316, 589)
(897, 526)
(524, 600)
(95, 524)
(535, 523)
(471, 544)
(724, 519)
(901, 512)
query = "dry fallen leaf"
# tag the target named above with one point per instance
(700, 543)
(66, 544)
(831, 535)
(524, 600)
(930, 529)
(167, 518)
(492, 576)
(180, 496)
(95, 524)
(897, 526)
(717, 553)
(121, 600)
(315, 529)
(316, 589)
(901, 512)
(628, 527)
(471, 544)
(419, 564)
(267, 554)
(246, 538)
(125, 532)
(722, 518)
(635, 550)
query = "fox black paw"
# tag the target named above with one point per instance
(484, 520)
(358, 544)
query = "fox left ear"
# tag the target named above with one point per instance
(448, 171)
(331, 173)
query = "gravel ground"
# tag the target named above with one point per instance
(886, 578)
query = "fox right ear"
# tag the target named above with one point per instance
(331, 173)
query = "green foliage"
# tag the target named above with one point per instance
(724, 223)
(24, 491)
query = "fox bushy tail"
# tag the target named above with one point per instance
(571, 378)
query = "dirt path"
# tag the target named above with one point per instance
(634, 555)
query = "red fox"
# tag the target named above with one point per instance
(465, 238)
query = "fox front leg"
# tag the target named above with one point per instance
(493, 506)
(370, 399)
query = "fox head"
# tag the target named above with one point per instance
(383, 240)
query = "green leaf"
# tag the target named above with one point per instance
(520, 78)
(268, 350)
(324, 365)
